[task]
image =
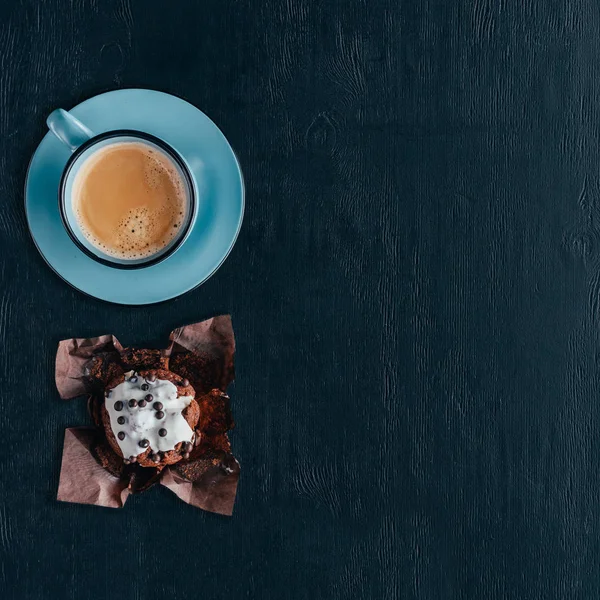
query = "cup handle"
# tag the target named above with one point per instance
(68, 129)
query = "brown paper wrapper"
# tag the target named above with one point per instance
(212, 490)
(72, 358)
(82, 479)
(92, 474)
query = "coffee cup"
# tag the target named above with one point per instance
(126, 198)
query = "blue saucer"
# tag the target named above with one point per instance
(218, 180)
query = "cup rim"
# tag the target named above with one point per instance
(171, 152)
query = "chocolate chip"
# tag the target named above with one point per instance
(142, 403)
(149, 398)
(159, 414)
(133, 459)
(189, 447)
(145, 387)
(121, 435)
(133, 379)
(151, 378)
(162, 432)
(144, 443)
(185, 383)
(132, 403)
(157, 406)
(155, 457)
(121, 420)
(118, 405)
(186, 455)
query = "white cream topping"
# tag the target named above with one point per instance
(141, 423)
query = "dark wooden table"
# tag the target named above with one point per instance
(415, 295)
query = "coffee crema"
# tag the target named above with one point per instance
(129, 200)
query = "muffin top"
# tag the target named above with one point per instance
(147, 413)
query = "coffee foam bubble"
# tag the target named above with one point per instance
(137, 228)
(155, 169)
(132, 235)
(142, 231)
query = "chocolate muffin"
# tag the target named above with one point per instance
(149, 417)
(142, 358)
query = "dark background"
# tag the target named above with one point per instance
(415, 294)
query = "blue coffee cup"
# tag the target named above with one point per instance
(83, 144)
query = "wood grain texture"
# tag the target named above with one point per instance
(415, 295)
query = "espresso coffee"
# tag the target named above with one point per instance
(129, 200)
